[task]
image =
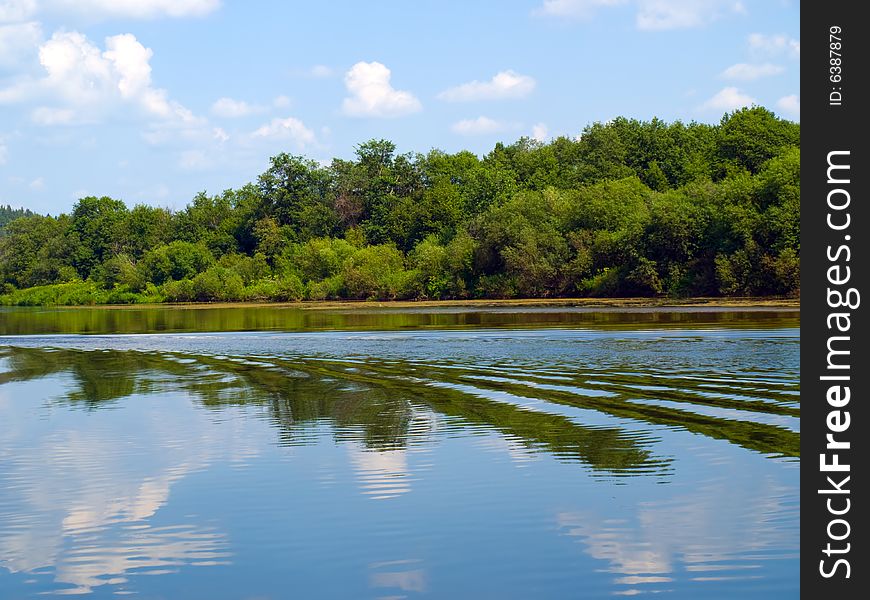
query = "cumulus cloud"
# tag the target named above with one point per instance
(85, 83)
(650, 15)
(661, 15)
(774, 45)
(232, 109)
(506, 84)
(12, 11)
(540, 132)
(44, 115)
(751, 72)
(728, 99)
(478, 126)
(574, 9)
(290, 129)
(18, 41)
(790, 106)
(136, 9)
(372, 95)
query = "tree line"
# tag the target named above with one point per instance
(628, 208)
(9, 214)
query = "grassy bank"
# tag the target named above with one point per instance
(89, 295)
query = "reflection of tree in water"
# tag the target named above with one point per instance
(373, 402)
(375, 408)
(137, 319)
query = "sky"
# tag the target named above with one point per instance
(154, 101)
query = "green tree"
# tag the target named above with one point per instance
(749, 137)
(98, 224)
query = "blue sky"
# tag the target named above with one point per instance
(152, 101)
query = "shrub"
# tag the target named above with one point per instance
(376, 272)
(178, 291)
(218, 284)
(60, 294)
(330, 288)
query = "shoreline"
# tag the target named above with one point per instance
(715, 303)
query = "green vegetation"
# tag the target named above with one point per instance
(9, 214)
(382, 392)
(628, 209)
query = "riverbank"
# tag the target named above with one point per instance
(607, 303)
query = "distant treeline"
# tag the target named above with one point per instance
(9, 214)
(629, 208)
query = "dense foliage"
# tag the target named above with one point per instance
(9, 214)
(629, 208)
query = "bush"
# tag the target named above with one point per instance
(75, 293)
(120, 270)
(500, 285)
(218, 284)
(285, 289)
(377, 272)
(249, 268)
(604, 283)
(178, 291)
(320, 258)
(290, 289)
(179, 260)
(643, 279)
(331, 288)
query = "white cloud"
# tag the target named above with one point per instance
(85, 83)
(661, 15)
(130, 62)
(194, 160)
(774, 45)
(790, 106)
(281, 102)
(44, 115)
(750, 72)
(575, 9)
(18, 41)
(651, 15)
(136, 9)
(321, 71)
(506, 84)
(12, 11)
(231, 109)
(37, 184)
(220, 135)
(372, 95)
(478, 126)
(286, 129)
(728, 99)
(540, 132)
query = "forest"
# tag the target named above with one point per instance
(627, 208)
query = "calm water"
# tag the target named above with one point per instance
(492, 453)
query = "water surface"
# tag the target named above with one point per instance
(399, 454)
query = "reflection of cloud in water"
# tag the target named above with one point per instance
(79, 498)
(385, 473)
(382, 473)
(398, 574)
(520, 454)
(695, 533)
(149, 551)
